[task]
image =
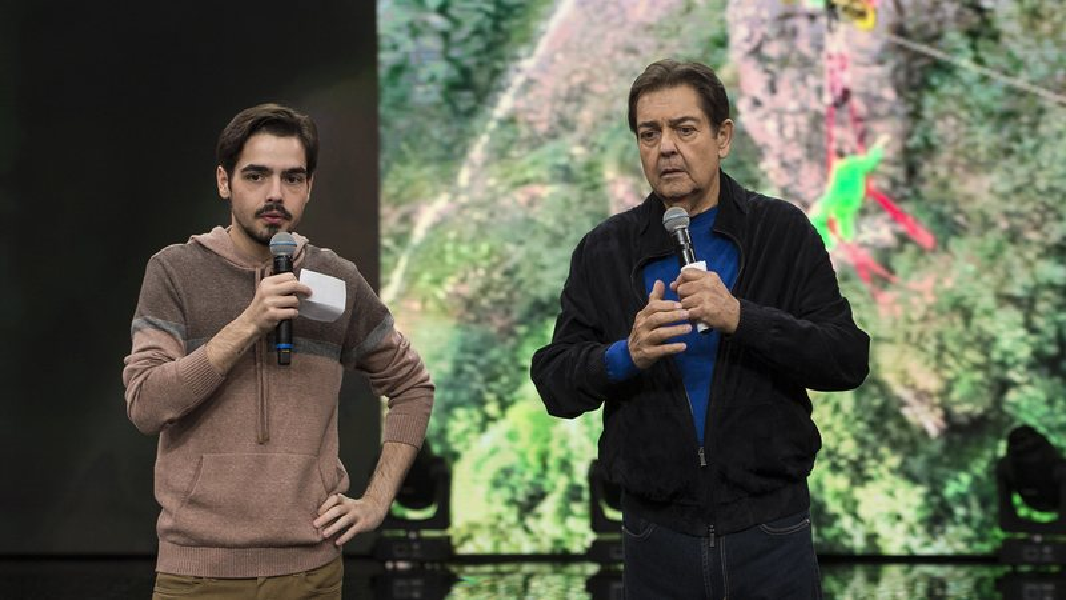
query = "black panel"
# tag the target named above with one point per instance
(109, 115)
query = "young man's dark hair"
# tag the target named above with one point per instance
(671, 73)
(267, 118)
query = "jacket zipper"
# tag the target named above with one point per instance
(263, 426)
(722, 342)
(638, 286)
(723, 347)
(701, 453)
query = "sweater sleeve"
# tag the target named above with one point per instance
(162, 382)
(375, 348)
(570, 373)
(818, 345)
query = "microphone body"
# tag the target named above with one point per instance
(283, 264)
(676, 220)
(282, 247)
(685, 241)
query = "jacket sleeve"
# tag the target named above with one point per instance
(375, 348)
(818, 346)
(163, 382)
(570, 373)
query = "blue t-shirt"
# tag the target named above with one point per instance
(696, 363)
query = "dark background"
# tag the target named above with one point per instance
(109, 114)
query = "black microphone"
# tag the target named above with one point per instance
(283, 246)
(676, 220)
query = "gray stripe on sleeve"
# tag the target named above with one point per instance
(176, 330)
(301, 345)
(316, 348)
(370, 342)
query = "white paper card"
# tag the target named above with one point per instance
(328, 295)
(699, 265)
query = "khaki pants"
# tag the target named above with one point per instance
(323, 583)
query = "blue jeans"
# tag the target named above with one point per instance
(774, 560)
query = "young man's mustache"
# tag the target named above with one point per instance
(274, 208)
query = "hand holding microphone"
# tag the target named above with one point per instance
(282, 247)
(702, 293)
(277, 299)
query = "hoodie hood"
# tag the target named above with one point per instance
(218, 241)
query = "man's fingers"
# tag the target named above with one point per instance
(327, 517)
(665, 350)
(657, 291)
(337, 525)
(691, 288)
(659, 335)
(655, 306)
(356, 528)
(329, 503)
(667, 317)
(279, 278)
(336, 518)
(290, 287)
(282, 301)
(693, 304)
(300, 289)
(324, 520)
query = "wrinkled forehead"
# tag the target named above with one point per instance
(664, 105)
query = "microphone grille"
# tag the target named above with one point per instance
(675, 219)
(282, 244)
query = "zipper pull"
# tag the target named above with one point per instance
(711, 531)
(703, 456)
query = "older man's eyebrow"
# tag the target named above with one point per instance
(672, 122)
(683, 120)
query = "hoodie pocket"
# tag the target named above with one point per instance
(252, 500)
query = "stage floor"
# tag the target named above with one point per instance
(84, 579)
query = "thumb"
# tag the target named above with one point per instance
(657, 290)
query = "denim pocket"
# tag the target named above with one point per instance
(787, 525)
(636, 527)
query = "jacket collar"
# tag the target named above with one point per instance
(733, 203)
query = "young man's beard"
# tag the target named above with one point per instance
(259, 237)
(263, 237)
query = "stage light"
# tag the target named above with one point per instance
(422, 582)
(416, 528)
(605, 518)
(1033, 471)
(605, 505)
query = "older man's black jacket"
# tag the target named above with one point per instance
(796, 333)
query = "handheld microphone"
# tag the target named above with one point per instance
(282, 247)
(676, 220)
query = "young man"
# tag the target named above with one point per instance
(248, 477)
(708, 434)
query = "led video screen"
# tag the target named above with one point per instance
(924, 138)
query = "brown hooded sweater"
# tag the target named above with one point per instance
(246, 458)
